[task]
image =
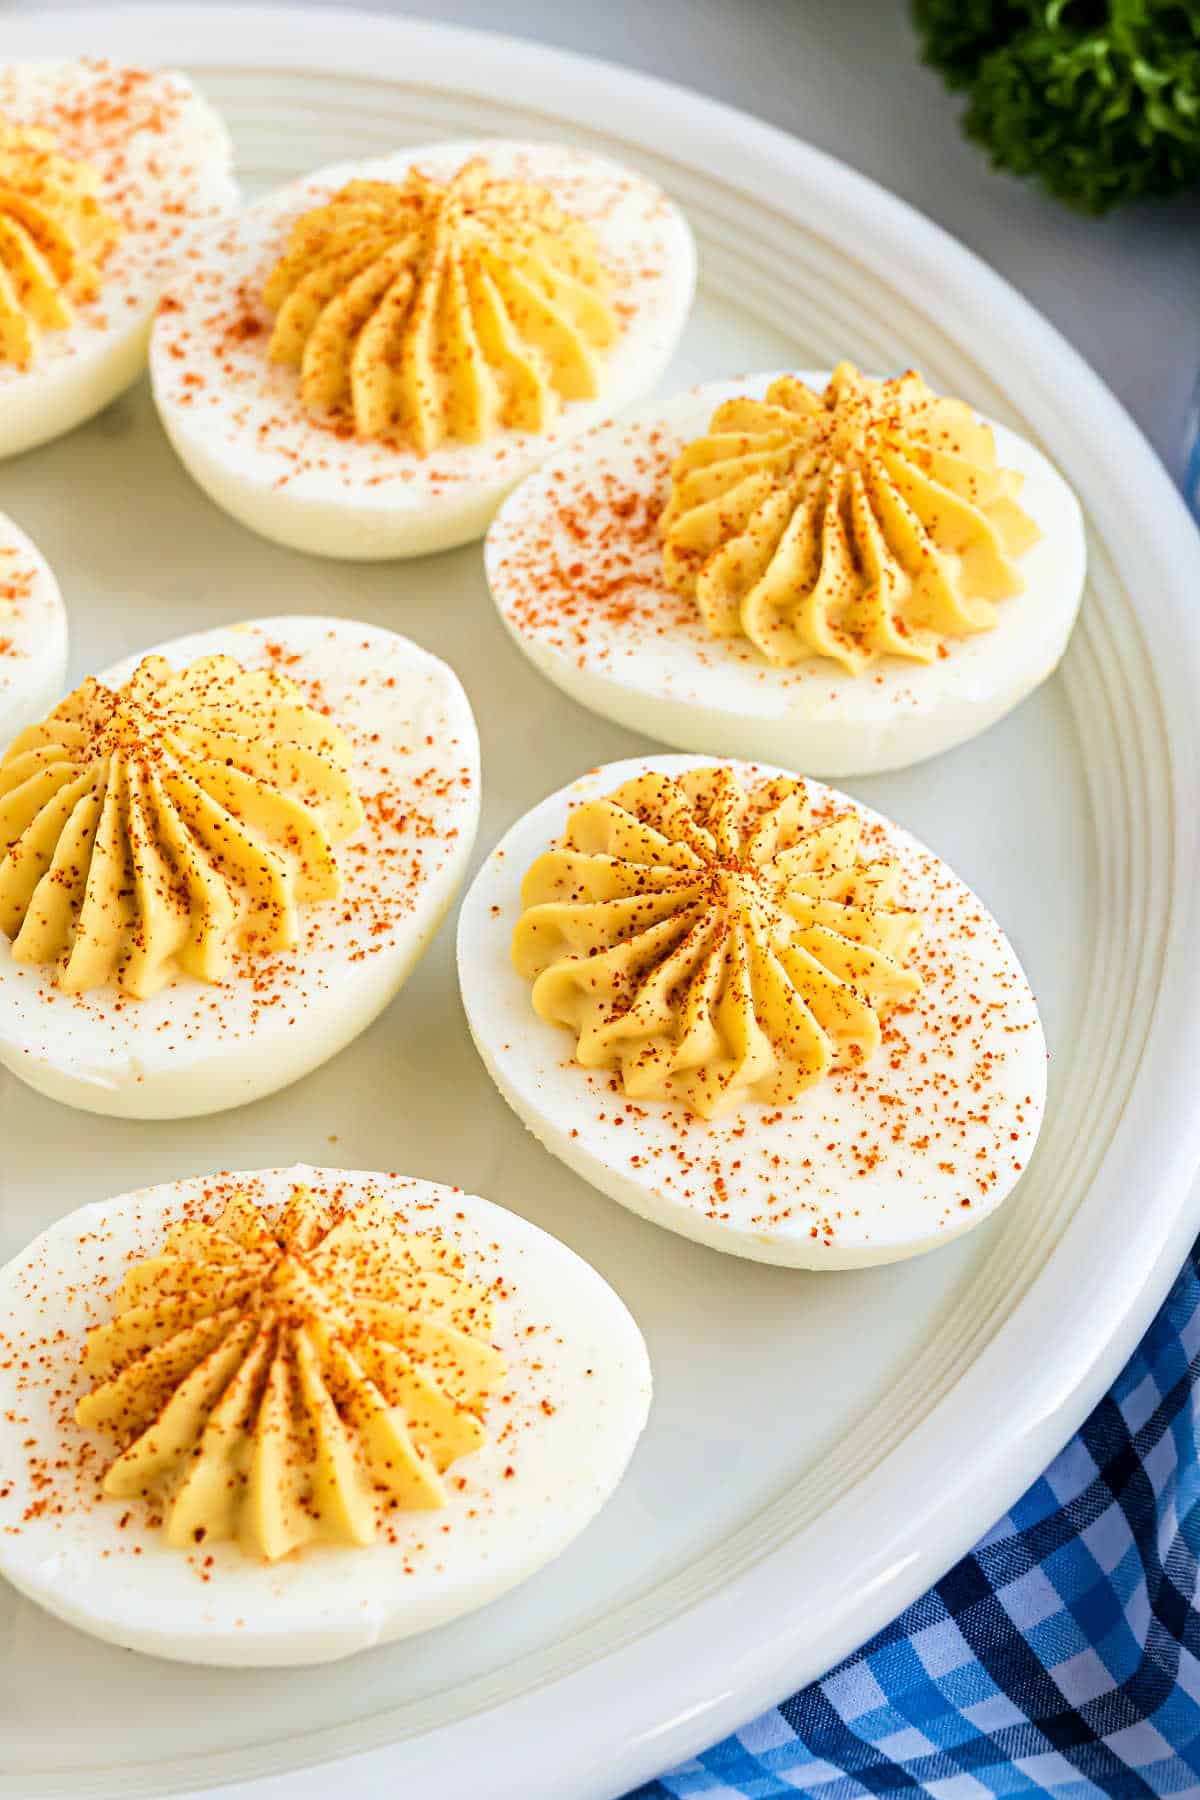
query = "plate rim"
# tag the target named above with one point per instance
(634, 1711)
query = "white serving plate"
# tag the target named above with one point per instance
(821, 1447)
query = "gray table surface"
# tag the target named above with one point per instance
(844, 75)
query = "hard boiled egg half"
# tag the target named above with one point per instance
(219, 862)
(754, 1011)
(316, 1410)
(363, 364)
(833, 572)
(104, 174)
(33, 632)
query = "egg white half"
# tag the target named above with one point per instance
(237, 421)
(868, 1166)
(198, 1047)
(574, 563)
(560, 1434)
(166, 166)
(33, 633)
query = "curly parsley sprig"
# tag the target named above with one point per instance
(1097, 99)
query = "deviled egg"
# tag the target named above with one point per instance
(33, 632)
(754, 1011)
(832, 572)
(104, 174)
(219, 861)
(316, 1410)
(364, 363)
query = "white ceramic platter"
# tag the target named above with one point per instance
(821, 1447)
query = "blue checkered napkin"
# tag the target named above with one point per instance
(1061, 1657)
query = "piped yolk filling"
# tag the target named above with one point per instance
(291, 1383)
(55, 235)
(714, 945)
(871, 520)
(152, 830)
(436, 312)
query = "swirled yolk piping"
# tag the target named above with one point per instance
(151, 830)
(713, 944)
(871, 520)
(435, 311)
(287, 1383)
(54, 237)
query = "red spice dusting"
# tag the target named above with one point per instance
(577, 568)
(41, 1371)
(884, 1150)
(417, 797)
(132, 127)
(255, 408)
